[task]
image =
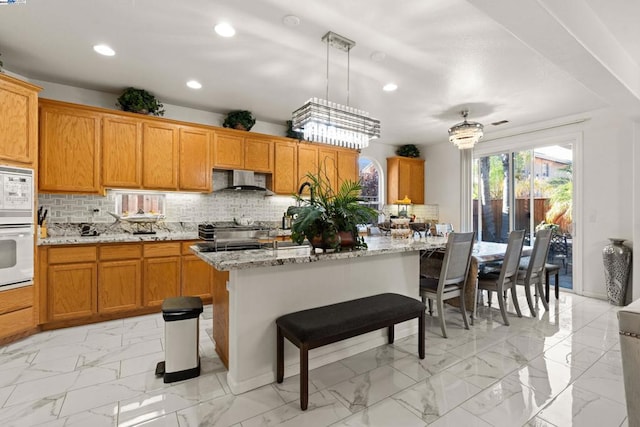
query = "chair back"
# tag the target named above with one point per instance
(539, 254)
(511, 263)
(558, 247)
(457, 258)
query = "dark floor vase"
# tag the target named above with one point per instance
(617, 267)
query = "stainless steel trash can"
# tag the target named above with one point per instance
(181, 328)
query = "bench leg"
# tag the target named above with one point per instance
(279, 356)
(390, 333)
(421, 329)
(304, 376)
(557, 285)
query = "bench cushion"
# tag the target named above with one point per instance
(336, 319)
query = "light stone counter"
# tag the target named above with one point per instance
(117, 238)
(377, 245)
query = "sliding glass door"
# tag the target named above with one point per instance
(528, 190)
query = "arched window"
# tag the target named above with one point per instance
(371, 179)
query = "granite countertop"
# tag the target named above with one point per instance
(377, 245)
(117, 238)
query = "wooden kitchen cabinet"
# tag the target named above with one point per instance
(19, 124)
(307, 163)
(161, 272)
(69, 148)
(195, 168)
(232, 150)
(221, 315)
(160, 151)
(258, 154)
(348, 169)
(121, 152)
(120, 278)
(228, 151)
(285, 170)
(17, 312)
(71, 282)
(197, 275)
(405, 178)
(328, 164)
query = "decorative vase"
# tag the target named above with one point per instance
(617, 266)
(325, 241)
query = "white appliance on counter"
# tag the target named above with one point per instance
(16, 227)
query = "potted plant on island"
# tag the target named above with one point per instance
(240, 119)
(140, 101)
(329, 219)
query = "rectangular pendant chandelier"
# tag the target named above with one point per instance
(330, 123)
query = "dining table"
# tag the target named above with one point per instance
(483, 253)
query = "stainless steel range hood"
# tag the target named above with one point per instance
(244, 181)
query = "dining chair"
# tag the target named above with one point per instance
(507, 277)
(453, 276)
(532, 269)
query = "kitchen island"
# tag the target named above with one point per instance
(267, 283)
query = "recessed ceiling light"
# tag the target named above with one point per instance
(103, 49)
(390, 87)
(225, 30)
(194, 84)
(291, 21)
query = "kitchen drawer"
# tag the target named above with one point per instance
(112, 252)
(63, 255)
(16, 321)
(152, 250)
(187, 245)
(16, 299)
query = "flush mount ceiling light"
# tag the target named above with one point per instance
(224, 29)
(103, 49)
(466, 134)
(331, 123)
(194, 84)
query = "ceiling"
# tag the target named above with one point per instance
(444, 55)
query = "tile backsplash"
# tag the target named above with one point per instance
(187, 207)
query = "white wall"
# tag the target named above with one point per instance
(442, 181)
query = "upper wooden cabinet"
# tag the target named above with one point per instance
(285, 171)
(160, 153)
(348, 169)
(405, 178)
(250, 152)
(195, 167)
(69, 149)
(307, 163)
(228, 151)
(19, 124)
(121, 152)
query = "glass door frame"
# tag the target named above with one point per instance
(562, 135)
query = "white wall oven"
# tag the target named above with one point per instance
(16, 227)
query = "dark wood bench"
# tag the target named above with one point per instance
(308, 329)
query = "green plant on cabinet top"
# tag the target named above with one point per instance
(241, 120)
(140, 101)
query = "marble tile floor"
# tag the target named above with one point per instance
(562, 368)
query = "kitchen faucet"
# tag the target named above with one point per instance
(302, 187)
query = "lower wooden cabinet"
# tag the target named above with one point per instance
(72, 290)
(197, 275)
(119, 285)
(88, 283)
(221, 315)
(161, 279)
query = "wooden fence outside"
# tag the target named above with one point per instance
(541, 206)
